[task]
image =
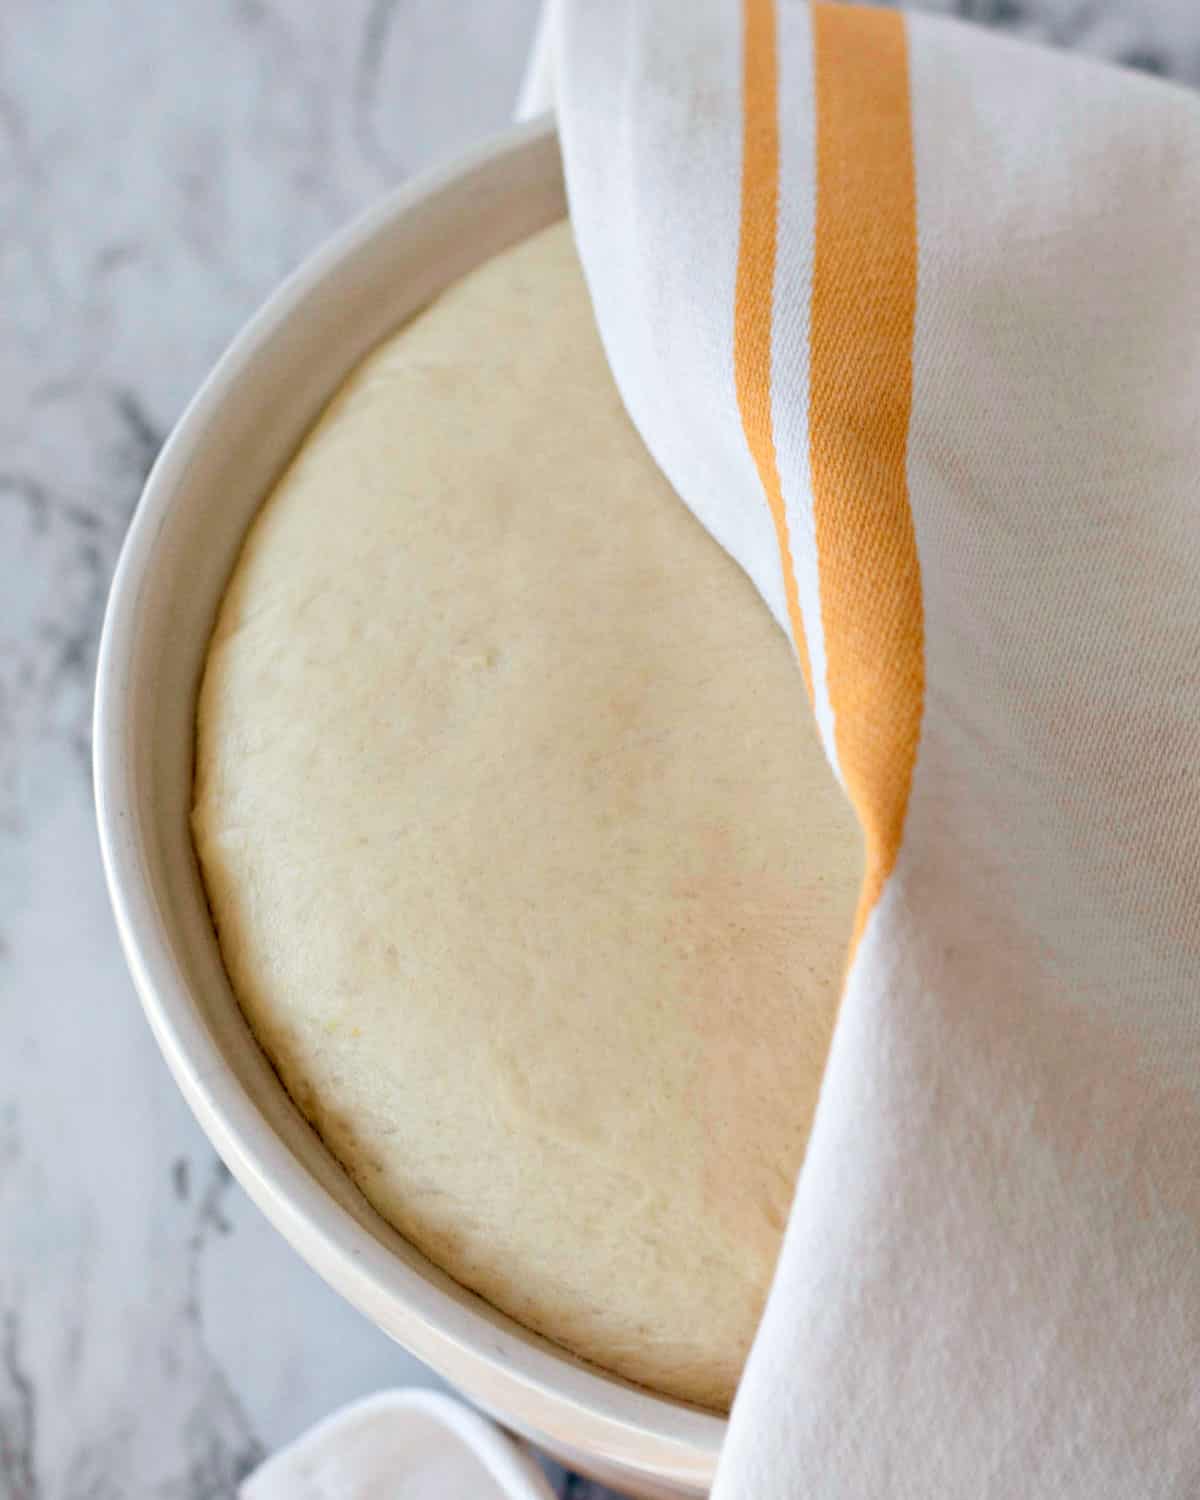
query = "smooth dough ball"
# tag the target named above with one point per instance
(528, 869)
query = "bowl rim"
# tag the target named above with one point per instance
(506, 1369)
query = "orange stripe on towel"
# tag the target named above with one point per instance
(860, 397)
(755, 292)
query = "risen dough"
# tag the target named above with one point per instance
(527, 866)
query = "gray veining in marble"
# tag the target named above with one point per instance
(162, 165)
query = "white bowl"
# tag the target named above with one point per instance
(220, 461)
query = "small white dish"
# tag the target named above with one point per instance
(402, 1445)
(219, 462)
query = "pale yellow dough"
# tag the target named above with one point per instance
(527, 867)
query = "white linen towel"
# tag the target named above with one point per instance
(909, 313)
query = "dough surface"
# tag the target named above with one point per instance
(527, 867)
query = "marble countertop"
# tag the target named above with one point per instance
(161, 168)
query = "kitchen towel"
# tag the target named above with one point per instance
(909, 313)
